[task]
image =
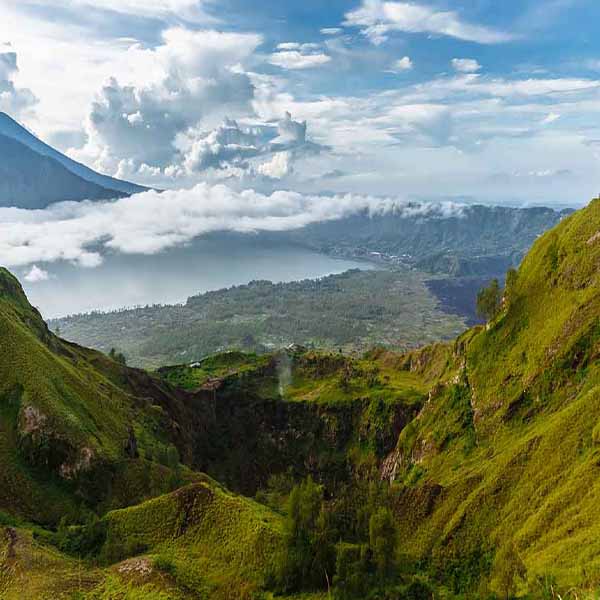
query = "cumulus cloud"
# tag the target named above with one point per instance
(465, 65)
(13, 100)
(241, 146)
(197, 79)
(151, 222)
(35, 275)
(197, 112)
(295, 56)
(378, 18)
(278, 167)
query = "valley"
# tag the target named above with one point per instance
(352, 312)
(464, 468)
(299, 300)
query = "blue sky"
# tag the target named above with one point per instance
(471, 99)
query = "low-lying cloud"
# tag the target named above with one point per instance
(151, 222)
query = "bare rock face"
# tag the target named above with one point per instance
(32, 421)
(70, 469)
(42, 445)
(390, 466)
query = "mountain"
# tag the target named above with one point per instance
(11, 129)
(80, 432)
(31, 180)
(470, 240)
(462, 469)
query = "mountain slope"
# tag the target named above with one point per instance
(30, 180)
(507, 446)
(81, 434)
(460, 241)
(73, 422)
(10, 128)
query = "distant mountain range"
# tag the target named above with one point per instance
(35, 175)
(476, 240)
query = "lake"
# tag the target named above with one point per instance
(209, 263)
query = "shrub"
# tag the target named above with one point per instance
(489, 301)
(383, 541)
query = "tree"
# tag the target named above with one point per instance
(489, 301)
(511, 279)
(382, 540)
(117, 356)
(309, 558)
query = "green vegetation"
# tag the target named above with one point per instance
(461, 470)
(213, 367)
(353, 311)
(489, 301)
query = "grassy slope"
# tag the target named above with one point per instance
(511, 435)
(66, 417)
(213, 541)
(198, 542)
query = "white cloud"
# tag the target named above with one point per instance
(35, 275)
(13, 100)
(235, 145)
(465, 65)
(476, 85)
(278, 167)
(151, 222)
(196, 79)
(331, 30)
(192, 10)
(295, 56)
(378, 18)
(403, 64)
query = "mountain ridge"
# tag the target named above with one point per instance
(12, 129)
(32, 181)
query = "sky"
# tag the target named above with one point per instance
(462, 100)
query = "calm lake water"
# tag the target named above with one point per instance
(209, 263)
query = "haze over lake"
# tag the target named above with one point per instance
(209, 263)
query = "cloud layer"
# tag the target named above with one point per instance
(151, 222)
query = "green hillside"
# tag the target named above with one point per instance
(507, 445)
(71, 418)
(461, 470)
